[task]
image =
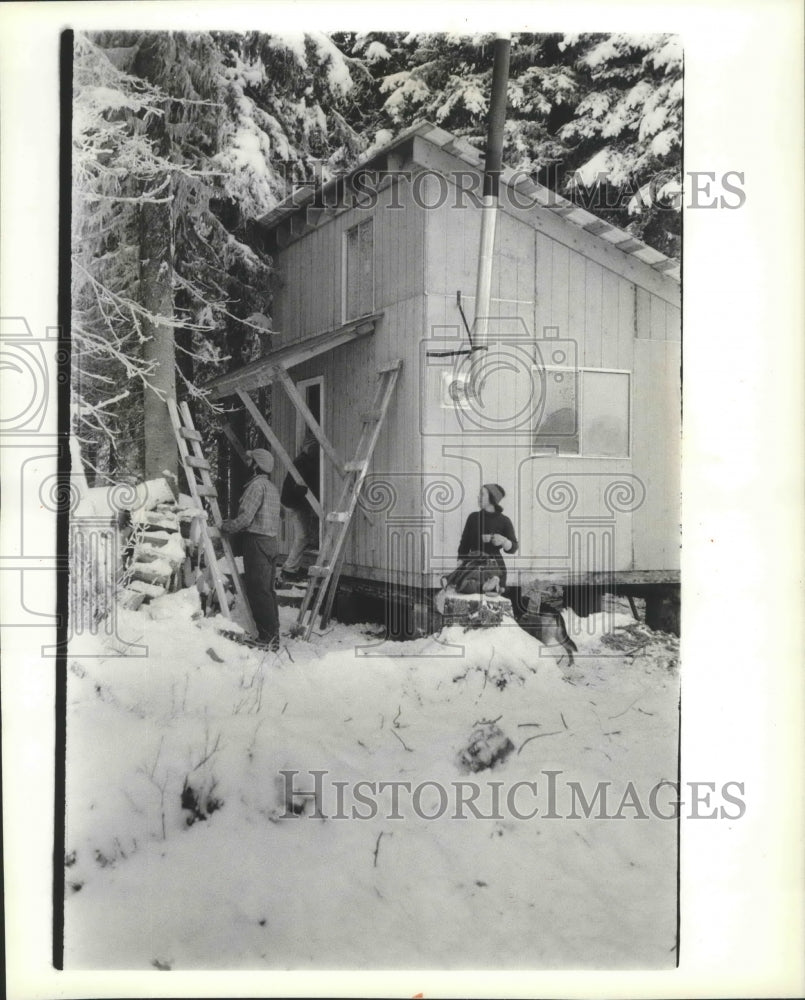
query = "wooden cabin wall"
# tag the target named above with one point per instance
(431, 460)
(307, 297)
(309, 302)
(570, 513)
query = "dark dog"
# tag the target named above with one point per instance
(548, 626)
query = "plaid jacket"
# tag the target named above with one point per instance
(259, 510)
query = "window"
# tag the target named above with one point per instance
(359, 283)
(584, 412)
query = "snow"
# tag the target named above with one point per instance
(338, 74)
(664, 142)
(609, 162)
(248, 887)
(466, 93)
(404, 86)
(376, 52)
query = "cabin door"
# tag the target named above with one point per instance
(312, 391)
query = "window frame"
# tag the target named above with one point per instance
(345, 318)
(547, 451)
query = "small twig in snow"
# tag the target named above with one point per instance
(377, 847)
(537, 736)
(522, 725)
(637, 699)
(401, 741)
(283, 708)
(487, 722)
(563, 720)
(209, 752)
(394, 720)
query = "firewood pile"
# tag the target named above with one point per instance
(161, 548)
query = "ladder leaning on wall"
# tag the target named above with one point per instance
(194, 463)
(323, 576)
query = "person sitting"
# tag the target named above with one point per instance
(487, 534)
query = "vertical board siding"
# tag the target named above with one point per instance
(658, 309)
(642, 313)
(309, 300)
(673, 321)
(657, 422)
(544, 284)
(422, 257)
(308, 293)
(577, 301)
(593, 318)
(560, 282)
(627, 323)
(610, 321)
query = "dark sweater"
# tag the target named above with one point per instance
(293, 494)
(482, 523)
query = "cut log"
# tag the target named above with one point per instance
(157, 572)
(473, 610)
(149, 590)
(130, 599)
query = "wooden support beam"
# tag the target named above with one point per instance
(232, 438)
(296, 398)
(276, 444)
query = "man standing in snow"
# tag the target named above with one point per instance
(258, 519)
(302, 517)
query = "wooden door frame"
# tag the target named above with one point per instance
(300, 428)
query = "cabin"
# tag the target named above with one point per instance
(573, 404)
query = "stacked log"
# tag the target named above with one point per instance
(160, 551)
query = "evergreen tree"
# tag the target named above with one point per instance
(181, 141)
(597, 118)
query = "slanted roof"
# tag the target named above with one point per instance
(467, 153)
(264, 370)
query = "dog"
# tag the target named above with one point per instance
(548, 626)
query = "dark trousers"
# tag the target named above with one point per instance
(259, 567)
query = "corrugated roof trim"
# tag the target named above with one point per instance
(464, 150)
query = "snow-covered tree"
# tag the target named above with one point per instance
(182, 141)
(595, 117)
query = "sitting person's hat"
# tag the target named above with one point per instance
(496, 493)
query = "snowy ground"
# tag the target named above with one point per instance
(249, 887)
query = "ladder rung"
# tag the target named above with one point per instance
(371, 415)
(206, 491)
(392, 366)
(338, 515)
(357, 466)
(318, 571)
(197, 463)
(189, 434)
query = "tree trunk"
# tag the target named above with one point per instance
(157, 297)
(237, 473)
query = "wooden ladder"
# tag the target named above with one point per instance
(323, 581)
(194, 462)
